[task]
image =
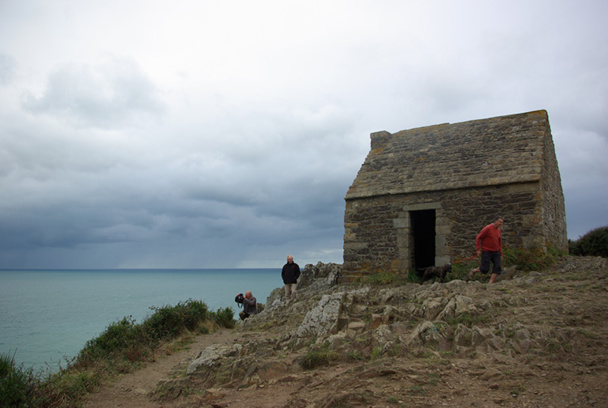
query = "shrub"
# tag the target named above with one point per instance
(122, 340)
(168, 322)
(135, 342)
(593, 243)
(224, 317)
(119, 335)
(530, 259)
(18, 387)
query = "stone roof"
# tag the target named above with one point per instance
(477, 153)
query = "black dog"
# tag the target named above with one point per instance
(434, 272)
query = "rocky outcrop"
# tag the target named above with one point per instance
(320, 276)
(380, 320)
(327, 323)
(212, 355)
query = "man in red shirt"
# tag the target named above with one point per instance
(489, 246)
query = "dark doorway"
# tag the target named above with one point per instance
(423, 229)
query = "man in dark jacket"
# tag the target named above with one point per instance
(290, 275)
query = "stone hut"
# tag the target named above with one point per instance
(422, 195)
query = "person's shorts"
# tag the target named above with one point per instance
(486, 258)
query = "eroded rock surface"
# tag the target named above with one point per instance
(534, 339)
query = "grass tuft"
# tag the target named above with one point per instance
(18, 386)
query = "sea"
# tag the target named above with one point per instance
(47, 316)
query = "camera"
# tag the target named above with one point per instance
(239, 298)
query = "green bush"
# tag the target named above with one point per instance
(530, 259)
(593, 243)
(124, 340)
(18, 386)
(118, 336)
(168, 322)
(135, 342)
(223, 317)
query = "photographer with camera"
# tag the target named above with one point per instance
(249, 304)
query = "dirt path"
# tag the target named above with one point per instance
(131, 390)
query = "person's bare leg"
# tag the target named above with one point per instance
(473, 272)
(493, 277)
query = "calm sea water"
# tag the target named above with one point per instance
(47, 316)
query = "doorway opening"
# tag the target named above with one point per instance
(423, 230)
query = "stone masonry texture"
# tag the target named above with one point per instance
(468, 173)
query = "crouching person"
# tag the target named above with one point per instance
(250, 306)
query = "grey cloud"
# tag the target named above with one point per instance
(8, 66)
(107, 96)
(256, 135)
(294, 216)
(174, 162)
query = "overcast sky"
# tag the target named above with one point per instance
(202, 134)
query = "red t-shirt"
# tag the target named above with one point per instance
(489, 239)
